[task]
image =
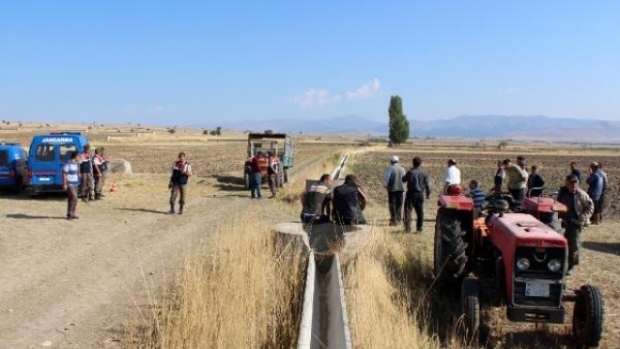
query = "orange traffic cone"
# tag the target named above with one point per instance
(113, 189)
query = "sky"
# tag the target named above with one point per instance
(198, 61)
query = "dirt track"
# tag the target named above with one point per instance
(74, 284)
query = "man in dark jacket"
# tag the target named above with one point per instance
(394, 184)
(596, 185)
(535, 181)
(181, 170)
(417, 185)
(349, 201)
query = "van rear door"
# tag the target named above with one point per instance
(44, 166)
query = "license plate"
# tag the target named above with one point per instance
(44, 179)
(536, 290)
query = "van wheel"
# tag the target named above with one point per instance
(18, 186)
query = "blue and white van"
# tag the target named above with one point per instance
(48, 154)
(13, 167)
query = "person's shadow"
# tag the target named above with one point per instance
(603, 247)
(27, 216)
(145, 210)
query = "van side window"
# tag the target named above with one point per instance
(44, 153)
(4, 158)
(65, 152)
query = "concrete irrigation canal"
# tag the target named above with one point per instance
(324, 323)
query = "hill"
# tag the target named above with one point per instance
(466, 126)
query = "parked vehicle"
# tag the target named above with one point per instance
(13, 167)
(47, 156)
(278, 143)
(505, 252)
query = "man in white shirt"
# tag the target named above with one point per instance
(453, 175)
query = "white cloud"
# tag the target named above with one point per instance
(320, 97)
(366, 90)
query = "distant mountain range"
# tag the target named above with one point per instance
(466, 126)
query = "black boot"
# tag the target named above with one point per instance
(171, 209)
(181, 209)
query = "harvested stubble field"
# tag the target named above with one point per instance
(407, 264)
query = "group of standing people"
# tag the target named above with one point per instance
(83, 176)
(257, 163)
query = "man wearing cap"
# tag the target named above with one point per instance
(517, 179)
(395, 188)
(579, 209)
(596, 185)
(452, 177)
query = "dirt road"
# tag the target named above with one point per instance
(74, 284)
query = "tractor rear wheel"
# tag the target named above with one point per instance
(470, 304)
(588, 316)
(450, 259)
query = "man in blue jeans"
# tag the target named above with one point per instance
(256, 176)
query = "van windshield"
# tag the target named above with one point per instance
(44, 152)
(4, 158)
(66, 151)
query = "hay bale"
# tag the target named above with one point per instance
(121, 166)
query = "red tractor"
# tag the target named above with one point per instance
(505, 251)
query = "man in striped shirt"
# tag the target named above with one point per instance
(70, 183)
(476, 193)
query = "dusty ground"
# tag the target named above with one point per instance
(74, 283)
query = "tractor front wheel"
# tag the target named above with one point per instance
(588, 316)
(470, 303)
(246, 180)
(450, 259)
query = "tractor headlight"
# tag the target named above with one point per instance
(554, 265)
(523, 264)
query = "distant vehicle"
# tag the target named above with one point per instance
(13, 167)
(278, 143)
(47, 156)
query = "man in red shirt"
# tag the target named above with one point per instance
(256, 177)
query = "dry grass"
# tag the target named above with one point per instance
(245, 294)
(384, 310)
